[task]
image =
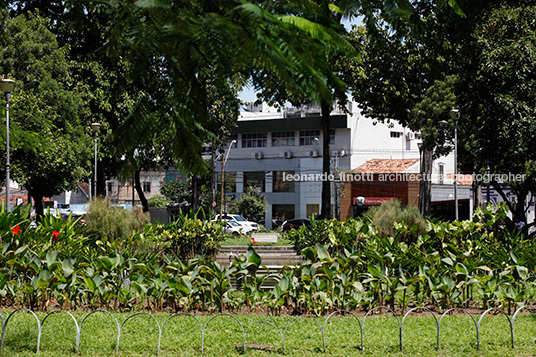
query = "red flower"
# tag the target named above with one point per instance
(253, 240)
(55, 234)
(15, 230)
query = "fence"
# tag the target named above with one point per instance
(282, 332)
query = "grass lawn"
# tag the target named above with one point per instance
(182, 336)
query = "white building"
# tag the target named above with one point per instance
(271, 147)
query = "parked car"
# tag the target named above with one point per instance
(233, 228)
(246, 225)
(294, 224)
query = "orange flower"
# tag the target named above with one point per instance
(15, 230)
(253, 240)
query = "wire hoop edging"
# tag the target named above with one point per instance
(330, 315)
(91, 313)
(283, 333)
(410, 311)
(212, 318)
(7, 320)
(369, 312)
(273, 325)
(169, 318)
(445, 313)
(75, 323)
(128, 318)
(514, 317)
(480, 320)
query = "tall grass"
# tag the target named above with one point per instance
(114, 222)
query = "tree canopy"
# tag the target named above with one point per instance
(51, 146)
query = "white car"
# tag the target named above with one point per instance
(246, 225)
(233, 228)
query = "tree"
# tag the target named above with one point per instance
(200, 49)
(401, 19)
(251, 205)
(497, 92)
(432, 114)
(51, 149)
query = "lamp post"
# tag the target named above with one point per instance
(454, 112)
(7, 87)
(223, 175)
(95, 127)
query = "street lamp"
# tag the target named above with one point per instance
(95, 127)
(223, 175)
(7, 87)
(454, 113)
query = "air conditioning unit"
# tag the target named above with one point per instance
(314, 153)
(342, 152)
(259, 155)
(410, 136)
(288, 154)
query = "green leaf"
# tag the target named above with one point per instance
(447, 261)
(21, 249)
(322, 253)
(253, 257)
(67, 267)
(522, 271)
(513, 256)
(51, 257)
(90, 284)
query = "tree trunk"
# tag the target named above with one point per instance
(38, 204)
(213, 184)
(478, 200)
(517, 209)
(139, 190)
(325, 210)
(196, 192)
(477, 195)
(425, 185)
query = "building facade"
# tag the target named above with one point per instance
(280, 153)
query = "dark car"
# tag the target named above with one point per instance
(294, 224)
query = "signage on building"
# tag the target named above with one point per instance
(369, 201)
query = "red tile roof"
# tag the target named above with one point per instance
(386, 166)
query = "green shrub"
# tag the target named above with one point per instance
(251, 205)
(409, 222)
(187, 237)
(158, 201)
(333, 233)
(114, 222)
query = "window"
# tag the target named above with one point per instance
(396, 134)
(257, 140)
(230, 182)
(307, 137)
(280, 182)
(332, 137)
(146, 186)
(417, 136)
(312, 210)
(285, 138)
(283, 212)
(109, 187)
(255, 179)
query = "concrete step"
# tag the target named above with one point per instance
(259, 249)
(275, 261)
